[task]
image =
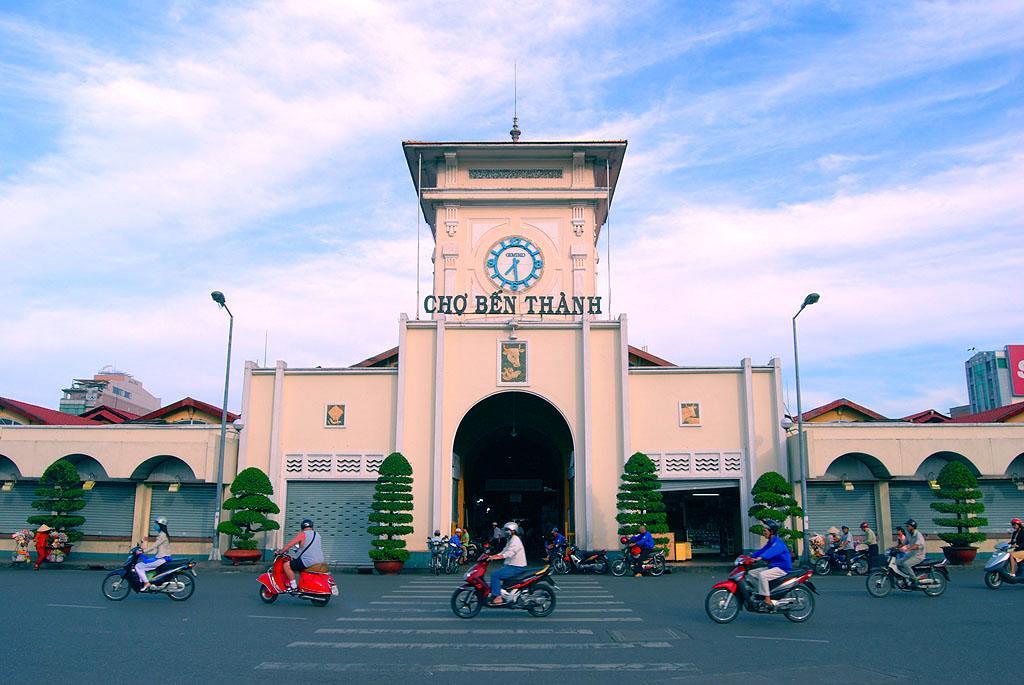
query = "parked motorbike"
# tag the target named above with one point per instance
(532, 590)
(175, 578)
(469, 551)
(997, 570)
(576, 560)
(792, 594)
(932, 577)
(438, 559)
(833, 561)
(316, 586)
(630, 559)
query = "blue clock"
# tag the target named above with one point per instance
(514, 264)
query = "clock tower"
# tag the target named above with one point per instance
(515, 225)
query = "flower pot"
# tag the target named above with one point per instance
(388, 568)
(239, 555)
(960, 556)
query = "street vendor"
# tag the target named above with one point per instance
(42, 542)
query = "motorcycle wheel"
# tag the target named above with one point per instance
(822, 567)
(806, 605)
(321, 602)
(266, 596)
(543, 602)
(560, 566)
(879, 583)
(722, 606)
(860, 567)
(619, 567)
(938, 588)
(116, 588)
(186, 591)
(466, 602)
(993, 580)
(601, 566)
(658, 567)
(450, 565)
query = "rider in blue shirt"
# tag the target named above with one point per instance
(557, 543)
(455, 544)
(645, 541)
(775, 554)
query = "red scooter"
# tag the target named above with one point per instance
(532, 590)
(791, 595)
(317, 587)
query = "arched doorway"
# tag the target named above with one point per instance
(513, 462)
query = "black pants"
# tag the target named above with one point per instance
(872, 556)
(639, 563)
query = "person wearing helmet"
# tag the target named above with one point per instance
(455, 544)
(155, 555)
(913, 551)
(871, 540)
(776, 555)
(309, 551)
(555, 545)
(1016, 545)
(645, 541)
(515, 561)
(846, 546)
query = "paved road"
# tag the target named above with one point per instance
(650, 630)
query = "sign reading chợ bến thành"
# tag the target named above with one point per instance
(503, 303)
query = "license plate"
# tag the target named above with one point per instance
(334, 590)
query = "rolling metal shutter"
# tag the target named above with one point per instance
(912, 500)
(831, 505)
(189, 511)
(16, 506)
(1003, 501)
(340, 512)
(109, 509)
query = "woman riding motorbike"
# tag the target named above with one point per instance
(154, 556)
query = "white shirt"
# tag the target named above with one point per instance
(514, 554)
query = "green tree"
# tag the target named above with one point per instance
(60, 495)
(392, 504)
(773, 500)
(958, 485)
(249, 505)
(639, 499)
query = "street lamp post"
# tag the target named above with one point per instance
(801, 439)
(218, 297)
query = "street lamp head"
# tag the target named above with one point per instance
(218, 297)
(811, 299)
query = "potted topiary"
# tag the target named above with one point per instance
(60, 495)
(640, 500)
(390, 518)
(958, 485)
(773, 501)
(249, 505)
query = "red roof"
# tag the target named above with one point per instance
(842, 402)
(997, 415)
(43, 416)
(926, 416)
(386, 358)
(198, 405)
(648, 357)
(103, 413)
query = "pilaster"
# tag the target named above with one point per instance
(275, 465)
(438, 474)
(243, 437)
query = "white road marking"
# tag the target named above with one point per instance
(561, 602)
(442, 611)
(377, 667)
(453, 619)
(456, 631)
(306, 644)
(76, 606)
(279, 618)
(780, 639)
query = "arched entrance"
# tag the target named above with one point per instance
(513, 462)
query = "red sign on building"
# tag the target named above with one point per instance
(1015, 357)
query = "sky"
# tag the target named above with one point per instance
(151, 153)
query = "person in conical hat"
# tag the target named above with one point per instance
(42, 542)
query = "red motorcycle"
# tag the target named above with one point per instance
(315, 586)
(791, 595)
(532, 590)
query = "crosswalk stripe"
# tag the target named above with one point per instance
(505, 619)
(561, 602)
(455, 631)
(306, 644)
(441, 611)
(646, 667)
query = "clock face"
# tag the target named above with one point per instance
(515, 263)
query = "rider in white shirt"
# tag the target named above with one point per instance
(515, 561)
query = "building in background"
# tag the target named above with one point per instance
(108, 388)
(995, 378)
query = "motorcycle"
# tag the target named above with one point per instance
(791, 594)
(531, 590)
(438, 558)
(932, 577)
(997, 570)
(174, 578)
(630, 559)
(576, 560)
(833, 561)
(316, 586)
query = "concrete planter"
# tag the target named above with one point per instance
(238, 556)
(388, 568)
(960, 556)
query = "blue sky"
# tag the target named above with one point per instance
(151, 153)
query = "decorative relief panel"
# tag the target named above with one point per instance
(577, 168)
(515, 173)
(577, 220)
(451, 169)
(694, 465)
(334, 466)
(451, 219)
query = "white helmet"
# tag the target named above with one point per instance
(511, 527)
(161, 520)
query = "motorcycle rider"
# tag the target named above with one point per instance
(776, 554)
(646, 544)
(871, 540)
(154, 556)
(556, 544)
(846, 548)
(455, 544)
(1016, 545)
(914, 551)
(515, 561)
(311, 553)
(497, 536)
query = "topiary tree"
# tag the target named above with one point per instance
(639, 499)
(773, 500)
(60, 495)
(958, 484)
(249, 505)
(392, 502)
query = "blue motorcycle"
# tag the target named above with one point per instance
(174, 578)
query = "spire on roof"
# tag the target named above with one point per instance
(515, 132)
